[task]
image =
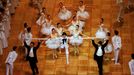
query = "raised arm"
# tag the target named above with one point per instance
(105, 44)
(38, 45)
(95, 45)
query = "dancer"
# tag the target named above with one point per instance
(22, 33)
(76, 40)
(64, 45)
(41, 19)
(32, 56)
(101, 33)
(99, 53)
(53, 43)
(59, 29)
(2, 35)
(73, 25)
(64, 14)
(131, 64)
(47, 26)
(10, 60)
(81, 13)
(28, 38)
(116, 40)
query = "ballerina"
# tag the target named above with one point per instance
(73, 25)
(53, 43)
(47, 26)
(64, 14)
(41, 19)
(101, 33)
(3, 38)
(81, 13)
(76, 40)
(59, 29)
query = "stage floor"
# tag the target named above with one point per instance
(83, 64)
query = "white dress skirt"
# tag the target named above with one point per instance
(76, 39)
(64, 14)
(108, 48)
(46, 30)
(83, 14)
(100, 34)
(53, 43)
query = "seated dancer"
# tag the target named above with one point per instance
(53, 43)
(64, 14)
(64, 45)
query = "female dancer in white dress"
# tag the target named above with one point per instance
(41, 19)
(73, 25)
(59, 29)
(64, 45)
(53, 43)
(101, 33)
(22, 34)
(81, 13)
(64, 13)
(47, 26)
(76, 40)
(3, 38)
(108, 48)
(28, 38)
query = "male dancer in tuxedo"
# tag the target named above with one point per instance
(99, 53)
(32, 56)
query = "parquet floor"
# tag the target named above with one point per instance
(79, 65)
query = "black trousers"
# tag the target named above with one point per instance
(33, 65)
(99, 60)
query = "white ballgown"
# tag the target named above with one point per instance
(41, 20)
(82, 13)
(64, 14)
(108, 48)
(47, 28)
(28, 38)
(100, 34)
(76, 39)
(53, 42)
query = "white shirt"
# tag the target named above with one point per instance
(116, 40)
(99, 52)
(11, 57)
(131, 66)
(31, 54)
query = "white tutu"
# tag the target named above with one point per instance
(53, 43)
(76, 40)
(46, 30)
(83, 14)
(100, 34)
(108, 48)
(65, 15)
